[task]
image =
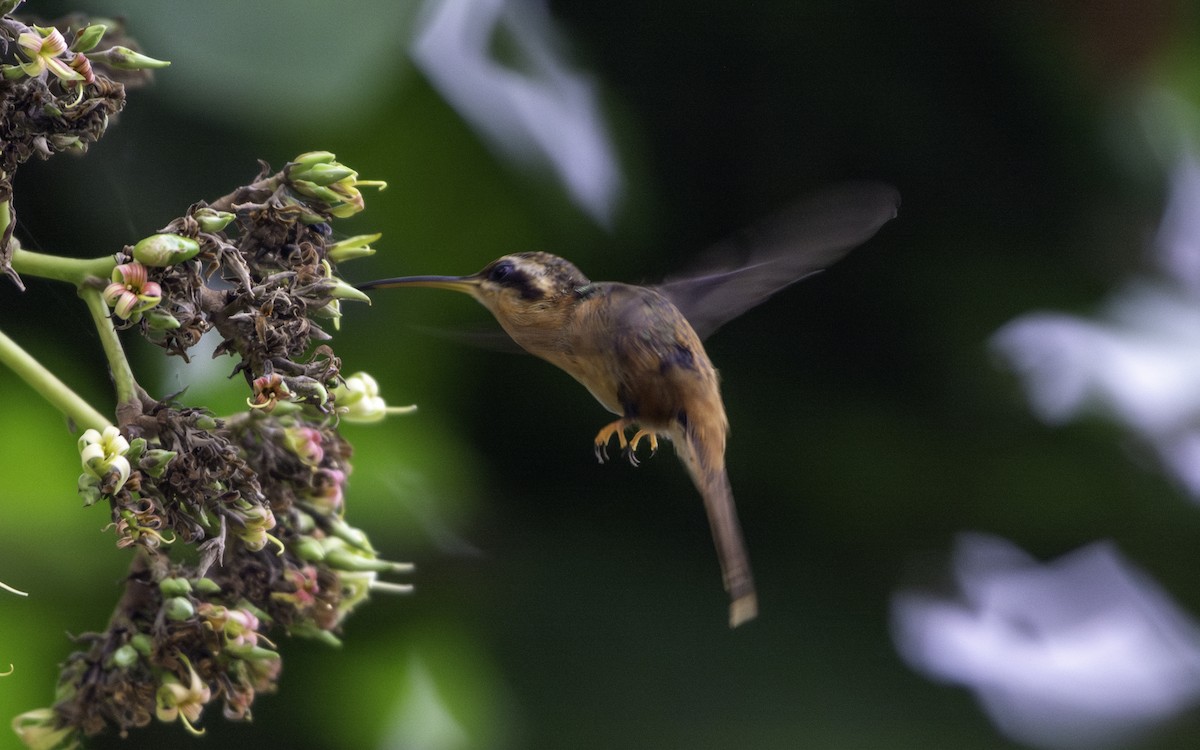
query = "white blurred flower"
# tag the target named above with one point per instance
(543, 112)
(1139, 360)
(1082, 652)
(358, 400)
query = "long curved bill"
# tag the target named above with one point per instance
(465, 284)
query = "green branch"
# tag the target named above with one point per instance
(83, 274)
(48, 386)
(118, 365)
(71, 270)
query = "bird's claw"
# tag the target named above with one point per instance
(628, 447)
(614, 428)
(631, 454)
(631, 451)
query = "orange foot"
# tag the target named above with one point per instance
(631, 451)
(614, 428)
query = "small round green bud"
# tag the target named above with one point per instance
(178, 608)
(175, 586)
(124, 657)
(165, 249)
(206, 423)
(142, 643)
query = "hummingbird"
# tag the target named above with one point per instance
(638, 351)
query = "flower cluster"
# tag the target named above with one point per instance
(53, 99)
(258, 266)
(236, 525)
(258, 497)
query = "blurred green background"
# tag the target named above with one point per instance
(564, 604)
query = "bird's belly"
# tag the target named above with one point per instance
(592, 374)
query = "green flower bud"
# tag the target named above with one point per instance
(304, 523)
(206, 423)
(89, 489)
(88, 37)
(322, 174)
(243, 604)
(310, 158)
(355, 537)
(178, 608)
(211, 220)
(175, 586)
(137, 447)
(250, 653)
(123, 58)
(160, 320)
(341, 557)
(155, 461)
(309, 549)
(308, 629)
(207, 586)
(358, 246)
(320, 192)
(165, 249)
(142, 643)
(124, 657)
(332, 311)
(342, 290)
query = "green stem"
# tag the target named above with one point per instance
(71, 270)
(122, 375)
(48, 386)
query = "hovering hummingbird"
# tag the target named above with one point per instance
(637, 348)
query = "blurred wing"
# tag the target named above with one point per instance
(492, 339)
(744, 271)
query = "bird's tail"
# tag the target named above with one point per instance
(705, 462)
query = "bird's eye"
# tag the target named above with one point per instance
(500, 272)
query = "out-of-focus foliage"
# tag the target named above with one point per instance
(564, 604)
